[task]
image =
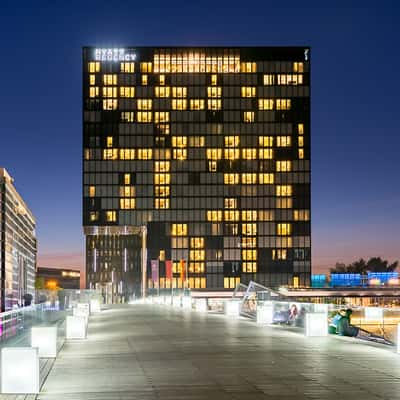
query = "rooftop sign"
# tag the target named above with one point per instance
(113, 55)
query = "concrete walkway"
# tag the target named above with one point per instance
(154, 352)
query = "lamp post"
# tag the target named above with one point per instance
(143, 231)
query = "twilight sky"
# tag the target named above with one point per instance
(355, 105)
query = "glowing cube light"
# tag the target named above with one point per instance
(76, 327)
(265, 313)
(95, 306)
(187, 302)
(81, 312)
(232, 308)
(45, 339)
(20, 370)
(176, 301)
(316, 324)
(201, 305)
(373, 314)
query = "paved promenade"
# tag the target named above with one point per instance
(154, 352)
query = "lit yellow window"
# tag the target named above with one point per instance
(162, 91)
(144, 117)
(92, 191)
(146, 67)
(126, 154)
(213, 91)
(144, 80)
(212, 166)
(266, 215)
(301, 215)
(232, 141)
(265, 141)
(161, 166)
(109, 141)
(265, 178)
(196, 141)
(145, 154)
(214, 79)
(214, 215)
(111, 216)
(110, 79)
(179, 230)
(249, 178)
(94, 91)
(284, 229)
(249, 154)
(249, 242)
(283, 104)
(94, 216)
(249, 267)
(109, 92)
(301, 141)
(94, 67)
(249, 255)
(248, 91)
(127, 116)
(301, 154)
(283, 141)
(230, 202)
(214, 154)
(248, 67)
(214, 104)
(300, 128)
(179, 104)
(127, 204)
(162, 179)
(265, 154)
(127, 191)
(110, 104)
(231, 215)
(179, 141)
(179, 91)
(163, 129)
(161, 191)
(265, 104)
(249, 229)
(161, 203)
(269, 79)
(144, 104)
(179, 154)
(279, 254)
(128, 67)
(284, 190)
(161, 256)
(283, 166)
(110, 154)
(162, 80)
(161, 116)
(197, 243)
(248, 116)
(290, 79)
(127, 179)
(231, 154)
(197, 104)
(249, 215)
(197, 255)
(231, 282)
(298, 67)
(284, 202)
(92, 79)
(127, 91)
(231, 179)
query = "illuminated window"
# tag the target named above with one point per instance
(300, 140)
(197, 104)
(248, 116)
(230, 203)
(127, 204)
(162, 166)
(300, 128)
(144, 117)
(249, 154)
(197, 255)
(161, 116)
(231, 282)
(249, 255)
(284, 190)
(284, 229)
(248, 91)
(110, 154)
(279, 254)
(92, 79)
(290, 79)
(249, 242)
(232, 141)
(94, 216)
(109, 141)
(127, 91)
(265, 154)
(214, 104)
(231, 154)
(94, 67)
(212, 166)
(128, 67)
(179, 104)
(127, 116)
(197, 243)
(92, 191)
(249, 229)
(163, 91)
(127, 179)
(231, 215)
(301, 215)
(179, 141)
(144, 104)
(283, 141)
(109, 92)
(111, 216)
(284, 203)
(179, 230)
(144, 80)
(161, 191)
(94, 91)
(145, 154)
(110, 79)
(110, 104)
(161, 256)
(126, 154)
(179, 91)
(196, 141)
(213, 91)
(163, 128)
(283, 166)
(301, 153)
(266, 215)
(214, 79)
(248, 67)
(265, 141)
(214, 215)
(146, 67)
(231, 179)
(265, 178)
(249, 267)
(179, 154)
(249, 178)
(269, 79)
(161, 203)
(214, 154)
(127, 191)
(266, 104)
(162, 179)
(283, 104)
(162, 79)
(298, 67)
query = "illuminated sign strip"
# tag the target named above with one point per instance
(113, 55)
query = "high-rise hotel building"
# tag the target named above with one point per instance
(196, 154)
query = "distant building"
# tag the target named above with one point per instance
(56, 278)
(18, 246)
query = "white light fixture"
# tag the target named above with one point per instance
(76, 327)
(45, 339)
(232, 308)
(316, 324)
(187, 302)
(20, 370)
(373, 314)
(265, 313)
(81, 312)
(84, 306)
(95, 306)
(176, 301)
(201, 305)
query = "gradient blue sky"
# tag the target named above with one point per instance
(355, 105)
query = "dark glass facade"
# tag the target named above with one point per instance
(208, 151)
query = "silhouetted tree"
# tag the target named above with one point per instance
(374, 264)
